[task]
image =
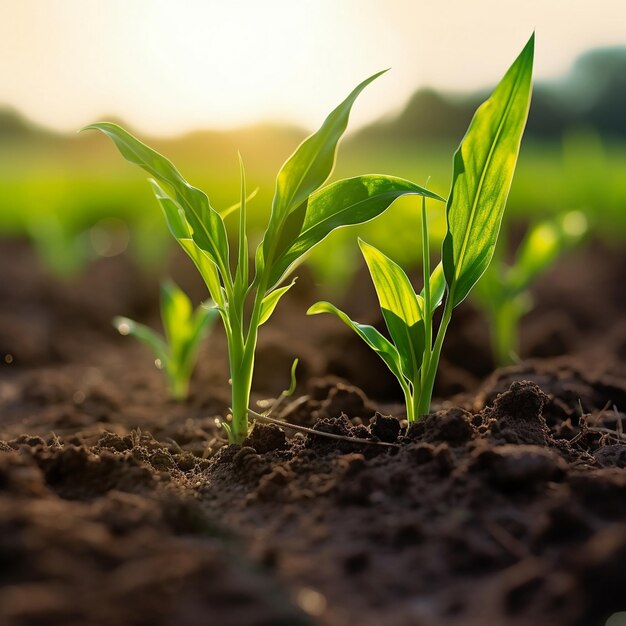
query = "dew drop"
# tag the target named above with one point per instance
(575, 223)
(311, 601)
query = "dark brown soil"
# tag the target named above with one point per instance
(119, 507)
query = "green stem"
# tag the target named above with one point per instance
(241, 380)
(429, 380)
(426, 270)
(179, 386)
(242, 348)
(427, 315)
(409, 400)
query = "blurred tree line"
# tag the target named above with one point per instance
(591, 96)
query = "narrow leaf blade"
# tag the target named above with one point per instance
(543, 244)
(312, 163)
(401, 307)
(437, 287)
(199, 327)
(208, 227)
(176, 312)
(270, 301)
(241, 273)
(380, 344)
(178, 226)
(306, 170)
(149, 337)
(483, 170)
(347, 202)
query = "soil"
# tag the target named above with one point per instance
(507, 505)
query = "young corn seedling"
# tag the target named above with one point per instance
(303, 213)
(483, 169)
(184, 327)
(503, 292)
(63, 253)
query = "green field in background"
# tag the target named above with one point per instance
(81, 181)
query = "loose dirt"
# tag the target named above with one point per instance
(507, 505)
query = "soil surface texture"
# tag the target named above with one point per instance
(119, 507)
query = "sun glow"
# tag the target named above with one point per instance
(168, 67)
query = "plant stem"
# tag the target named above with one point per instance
(179, 386)
(427, 315)
(429, 379)
(409, 400)
(241, 380)
(242, 348)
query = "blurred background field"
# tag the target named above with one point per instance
(76, 199)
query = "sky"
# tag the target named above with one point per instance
(168, 67)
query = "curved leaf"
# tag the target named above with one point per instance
(305, 171)
(402, 309)
(184, 327)
(126, 326)
(543, 244)
(199, 326)
(209, 231)
(270, 301)
(380, 344)
(178, 226)
(437, 287)
(346, 202)
(483, 170)
(176, 312)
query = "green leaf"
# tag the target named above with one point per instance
(346, 202)
(178, 226)
(270, 301)
(235, 207)
(209, 231)
(305, 171)
(184, 327)
(543, 244)
(437, 287)
(176, 313)
(207, 269)
(199, 326)
(241, 273)
(126, 326)
(293, 381)
(380, 344)
(402, 309)
(483, 170)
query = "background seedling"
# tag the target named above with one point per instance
(503, 292)
(63, 254)
(301, 216)
(185, 328)
(483, 170)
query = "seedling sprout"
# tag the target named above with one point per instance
(303, 213)
(503, 292)
(484, 165)
(177, 352)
